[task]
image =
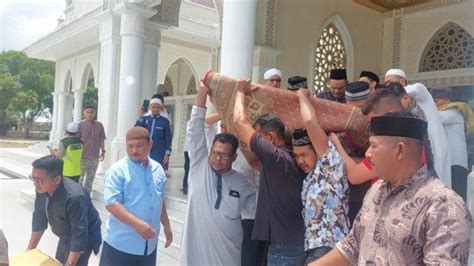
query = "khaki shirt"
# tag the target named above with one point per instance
(419, 222)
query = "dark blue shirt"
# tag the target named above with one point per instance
(160, 132)
(71, 215)
(278, 217)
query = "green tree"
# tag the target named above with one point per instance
(26, 85)
(9, 86)
(21, 106)
(91, 94)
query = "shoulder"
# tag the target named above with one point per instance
(118, 166)
(74, 191)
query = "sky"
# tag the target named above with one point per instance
(23, 22)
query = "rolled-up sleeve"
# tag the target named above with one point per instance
(113, 187)
(78, 217)
(40, 220)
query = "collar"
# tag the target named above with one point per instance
(412, 182)
(144, 164)
(58, 190)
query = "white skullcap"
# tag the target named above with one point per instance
(396, 72)
(72, 127)
(272, 72)
(156, 100)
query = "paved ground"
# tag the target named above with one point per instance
(15, 212)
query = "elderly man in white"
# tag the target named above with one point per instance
(437, 136)
(272, 77)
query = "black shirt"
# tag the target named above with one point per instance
(327, 95)
(71, 215)
(278, 218)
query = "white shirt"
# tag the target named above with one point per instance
(453, 122)
(212, 236)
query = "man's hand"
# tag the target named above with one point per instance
(201, 96)
(166, 162)
(303, 93)
(145, 230)
(141, 113)
(168, 235)
(243, 85)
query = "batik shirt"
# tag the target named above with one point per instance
(421, 222)
(325, 197)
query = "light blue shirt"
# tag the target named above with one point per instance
(140, 190)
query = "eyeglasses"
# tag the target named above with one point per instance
(36, 180)
(225, 156)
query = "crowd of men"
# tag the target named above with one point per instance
(309, 202)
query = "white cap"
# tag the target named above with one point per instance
(72, 127)
(272, 72)
(396, 72)
(156, 100)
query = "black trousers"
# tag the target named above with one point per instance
(253, 251)
(114, 257)
(459, 180)
(186, 172)
(62, 253)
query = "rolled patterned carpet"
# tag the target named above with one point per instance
(332, 116)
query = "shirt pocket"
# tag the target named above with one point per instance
(231, 206)
(159, 132)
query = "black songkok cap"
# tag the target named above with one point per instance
(358, 90)
(370, 75)
(398, 124)
(297, 82)
(300, 137)
(442, 92)
(338, 74)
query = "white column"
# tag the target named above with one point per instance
(238, 38)
(54, 112)
(62, 112)
(78, 99)
(150, 63)
(132, 30)
(54, 118)
(108, 81)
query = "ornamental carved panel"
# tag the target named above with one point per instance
(330, 54)
(452, 47)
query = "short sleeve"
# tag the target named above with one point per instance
(113, 187)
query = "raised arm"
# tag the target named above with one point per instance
(318, 137)
(357, 172)
(242, 125)
(195, 127)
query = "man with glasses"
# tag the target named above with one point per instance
(68, 209)
(217, 194)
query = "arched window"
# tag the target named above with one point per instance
(330, 54)
(450, 48)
